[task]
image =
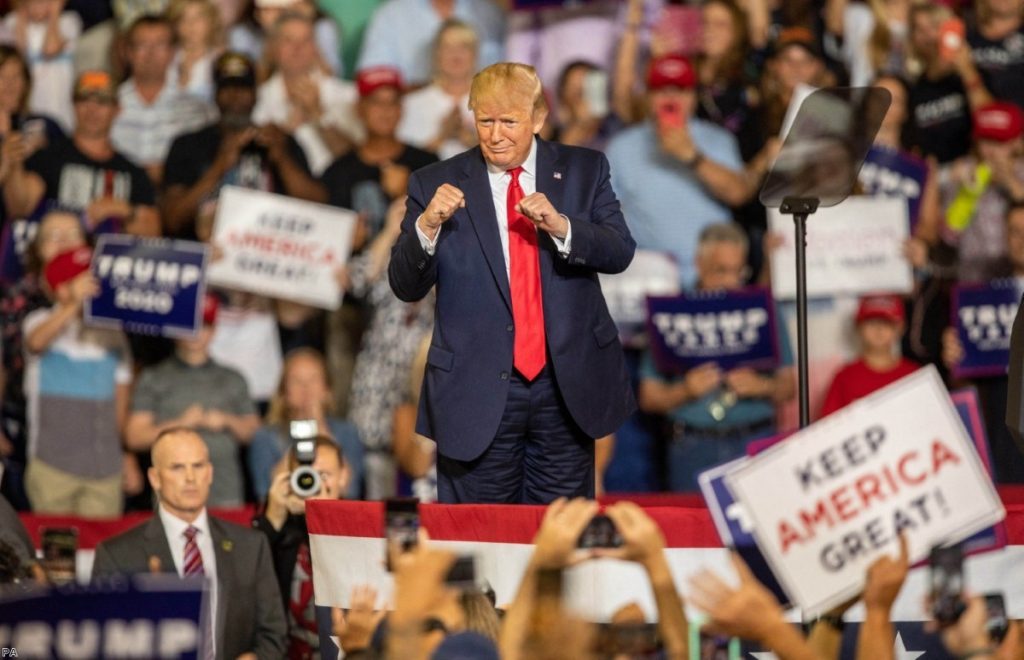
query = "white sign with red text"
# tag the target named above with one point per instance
(853, 248)
(280, 247)
(835, 496)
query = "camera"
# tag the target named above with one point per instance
(305, 481)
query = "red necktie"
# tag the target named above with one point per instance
(524, 284)
(193, 565)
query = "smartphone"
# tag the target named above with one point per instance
(595, 92)
(33, 131)
(60, 547)
(401, 524)
(303, 429)
(951, 38)
(669, 115)
(996, 622)
(600, 532)
(947, 583)
(462, 574)
(718, 647)
(635, 640)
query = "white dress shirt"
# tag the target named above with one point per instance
(500, 180)
(174, 528)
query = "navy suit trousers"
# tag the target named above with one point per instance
(538, 454)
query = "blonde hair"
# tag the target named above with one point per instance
(505, 80)
(177, 9)
(277, 411)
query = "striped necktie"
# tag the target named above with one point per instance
(193, 562)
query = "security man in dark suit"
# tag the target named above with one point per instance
(525, 368)
(181, 538)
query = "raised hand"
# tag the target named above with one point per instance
(447, 200)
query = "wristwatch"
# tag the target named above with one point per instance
(695, 161)
(833, 621)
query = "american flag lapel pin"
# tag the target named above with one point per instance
(558, 175)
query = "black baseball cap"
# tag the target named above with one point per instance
(233, 69)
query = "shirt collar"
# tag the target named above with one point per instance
(175, 527)
(529, 165)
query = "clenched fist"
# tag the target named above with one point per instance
(447, 200)
(538, 210)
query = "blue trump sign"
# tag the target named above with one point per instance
(734, 528)
(983, 316)
(149, 617)
(149, 286)
(730, 328)
(894, 173)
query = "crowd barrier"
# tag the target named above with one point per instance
(348, 549)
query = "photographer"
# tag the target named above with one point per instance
(232, 151)
(284, 523)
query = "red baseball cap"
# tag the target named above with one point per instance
(887, 308)
(67, 265)
(372, 78)
(671, 71)
(210, 306)
(999, 121)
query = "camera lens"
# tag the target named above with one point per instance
(305, 481)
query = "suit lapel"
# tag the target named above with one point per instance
(547, 167)
(476, 185)
(157, 546)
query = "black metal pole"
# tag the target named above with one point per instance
(800, 222)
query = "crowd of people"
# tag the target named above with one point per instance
(130, 116)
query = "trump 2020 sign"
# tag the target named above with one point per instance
(149, 286)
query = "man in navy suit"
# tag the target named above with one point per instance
(525, 368)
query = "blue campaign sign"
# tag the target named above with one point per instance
(731, 328)
(890, 172)
(146, 617)
(149, 286)
(734, 529)
(17, 236)
(983, 315)
(969, 409)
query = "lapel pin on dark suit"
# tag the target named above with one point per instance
(227, 545)
(558, 175)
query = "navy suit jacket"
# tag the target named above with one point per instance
(470, 358)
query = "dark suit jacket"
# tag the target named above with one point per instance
(249, 613)
(470, 358)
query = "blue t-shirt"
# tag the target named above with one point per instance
(665, 205)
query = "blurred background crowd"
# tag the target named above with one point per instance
(131, 115)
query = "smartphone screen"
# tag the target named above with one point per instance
(60, 547)
(595, 91)
(633, 640)
(947, 583)
(951, 38)
(401, 524)
(600, 532)
(669, 115)
(462, 574)
(995, 617)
